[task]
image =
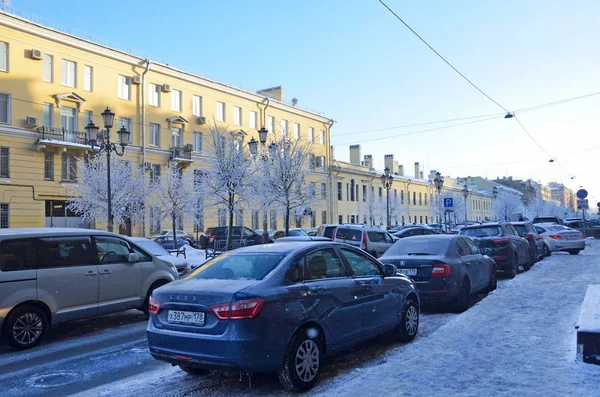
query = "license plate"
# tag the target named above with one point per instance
(408, 272)
(183, 317)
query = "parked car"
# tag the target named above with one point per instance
(446, 268)
(167, 242)
(371, 239)
(456, 228)
(327, 230)
(414, 231)
(561, 238)
(547, 219)
(529, 233)
(229, 314)
(301, 238)
(296, 231)
(54, 275)
(261, 231)
(312, 231)
(503, 243)
(190, 238)
(437, 227)
(161, 253)
(246, 235)
(589, 230)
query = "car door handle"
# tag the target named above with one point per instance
(90, 273)
(317, 289)
(364, 284)
(106, 272)
(467, 263)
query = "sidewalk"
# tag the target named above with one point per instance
(518, 341)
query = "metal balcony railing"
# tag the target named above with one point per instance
(63, 135)
(181, 153)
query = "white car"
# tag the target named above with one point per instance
(560, 238)
(155, 249)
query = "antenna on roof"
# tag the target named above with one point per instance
(5, 3)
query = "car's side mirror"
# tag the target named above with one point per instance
(133, 258)
(390, 270)
(486, 251)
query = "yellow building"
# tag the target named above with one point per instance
(52, 84)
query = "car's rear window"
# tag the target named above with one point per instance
(218, 230)
(238, 267)
(418, 246)
(348, 234)
(488, 231)
(522, 229)
(329, 230)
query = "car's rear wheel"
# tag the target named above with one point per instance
(26, 327)
(493, 281)
(574, 252)
(409, 321)
(193, 371)
(462, 300)
(546, 251)
(302, 362)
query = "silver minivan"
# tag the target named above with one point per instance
(371, 239)
(53, 275)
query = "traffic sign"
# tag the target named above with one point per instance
(582, 204)
(582, 193)
(598, 204)
(448, 202)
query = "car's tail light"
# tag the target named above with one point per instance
(555, 236)
(211, 238)
(440, 269)
(242, 310)
(153, 306)
(538, 239)
(500, 241)
(364, 241)
(581, 236)
(186, 268)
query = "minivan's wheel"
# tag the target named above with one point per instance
(493, 281)
(302, 362)
(546, 251)
(192, 370)
(409, 321)
(574, 252)
(26, 327)
(154, 286)
(462, 300)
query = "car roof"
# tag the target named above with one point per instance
(432, 236)
(284, 247)
(489, 224)
(362, 227)
(301, 238)
(519, 223)
(49, 231)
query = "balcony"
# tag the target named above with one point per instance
(182, 154)
(62, 137)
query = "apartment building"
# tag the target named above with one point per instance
(52, 84)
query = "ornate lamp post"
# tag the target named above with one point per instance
(495, 196)
(254, 149)
(386, 181)
(438, 181)
(105, 145)
(465, 193)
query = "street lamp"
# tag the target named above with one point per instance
(386, 181)
(465, 193)
(495, 196)
(438, 181)
(106, 146)
(253, 145)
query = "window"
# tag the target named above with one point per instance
(3, 56)
(64, 251)
(69, 168)
(473, 247)
(48, 166)
(154, 134)
(320, 163)
(273, 219)
(311, 134)
(414, 198)
(425, 198)
(5, 108)
(222, 216)
(124, 89)
(311, 161)
(4, 162)
(420, 198)
(16, 254)
(284, 128)
(270, 123)
(154, 173)
(154, 219)
(68, 119)
(220, 111)
(340, 219)
(111, 250)
(324, 264)
(255, 217)
(462, 248)
(339, 188)
(361, 265)
(4, 216)
(197, 142)
(252, 118)
(154, 94)
(296, 130)
(125, 122)
(237, 115)
(176, 100)
(69, 72)
(321, 137)
(313, 189)
(323, 190)
(176, 137)
(87, 78)
(323, 217)
(88, 117)
(48, 115)
(48, 64)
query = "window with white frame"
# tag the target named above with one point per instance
(154, 173)
(48, 64)
(237, 115)
(127, 123)
(69, 168)
(197, 105)
(313, 189)
(311, 134)
(48, 166)
(155, 214)
(296, 130)
(220, 111)
(4, 162)
(176, 100)
(124, 91)
(197, 142)
(3, 56)
(154, 94)
(176, 137)
(321, 137)
(154, 134)
(284, 128)
(271, 124)
(323, 190)
(69, 73)
(88, 117)
(87, 78)
(68, 118)
(48, 115)
(252, 119)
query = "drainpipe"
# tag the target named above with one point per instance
(265, 111)
(144, 140)
(331, 184)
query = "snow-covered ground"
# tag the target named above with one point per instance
(194, 257)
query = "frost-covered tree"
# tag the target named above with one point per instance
(90, 195)
(506, 204)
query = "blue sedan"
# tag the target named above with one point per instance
(279, 308)
(167, 242)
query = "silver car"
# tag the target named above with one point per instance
(371, 239)
(52, 275)
(560, 238)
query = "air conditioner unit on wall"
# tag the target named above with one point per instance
(36, 54)
(137, 79)
(201, 120)
(31, 122)
(166, 88)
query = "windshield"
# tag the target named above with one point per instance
(152, 247)
(489, 231)
(418, 246)
(238, 267)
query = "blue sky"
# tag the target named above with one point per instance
(356, 63)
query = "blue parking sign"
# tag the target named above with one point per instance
(448, 202)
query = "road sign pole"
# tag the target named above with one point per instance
(583, 212)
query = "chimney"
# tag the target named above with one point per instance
(417, 170)
(331, 153)
(273, 93)
(421, 174)
(432, 174)
(355, 154)
(388, 161)
(401, 170)
(368, 161)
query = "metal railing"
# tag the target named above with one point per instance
(181, 153)
(63, 135)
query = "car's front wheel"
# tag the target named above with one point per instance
(302, 362)
(409, 321)
(26, 327)
(574, 252)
